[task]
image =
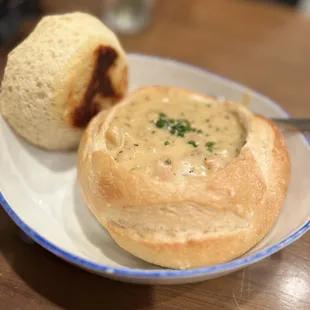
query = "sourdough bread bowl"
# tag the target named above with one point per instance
(181, 180)
(70, 67)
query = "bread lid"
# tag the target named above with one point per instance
(70, 67)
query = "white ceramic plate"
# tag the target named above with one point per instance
(38, 190)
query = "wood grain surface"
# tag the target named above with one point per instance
(264, 47)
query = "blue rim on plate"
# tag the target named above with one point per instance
(160, 273)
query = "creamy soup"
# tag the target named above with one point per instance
(174, 135)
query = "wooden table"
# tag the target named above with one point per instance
(266, 48)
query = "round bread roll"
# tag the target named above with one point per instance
(70, 67)
(181, 180)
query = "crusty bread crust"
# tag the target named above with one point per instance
(197, 222)
(70, 67)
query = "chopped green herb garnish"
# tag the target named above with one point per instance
(166, 142)
(162, 123)
(168, 161)
(177, 127)
(153, 131)
(227, 117)
(210, 146)
(193, 143)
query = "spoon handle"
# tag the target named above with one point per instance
(302, 124)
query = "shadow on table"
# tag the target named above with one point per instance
(61, 283)
(72, 288)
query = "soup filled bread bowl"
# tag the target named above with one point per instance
(182, 180)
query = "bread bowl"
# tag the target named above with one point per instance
(181, 180)
(70, 67)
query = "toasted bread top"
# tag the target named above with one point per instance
(70, 67)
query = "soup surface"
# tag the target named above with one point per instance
(174, 135)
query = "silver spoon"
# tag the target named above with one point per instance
(291, 124)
